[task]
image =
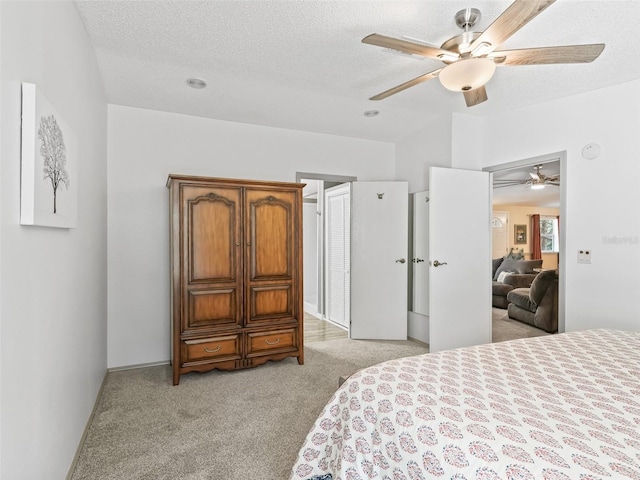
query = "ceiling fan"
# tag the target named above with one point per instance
(471, 58)
(537, 181)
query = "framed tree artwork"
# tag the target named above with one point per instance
(49, 187)
(520, 234)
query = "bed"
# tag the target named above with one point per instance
(559, 407)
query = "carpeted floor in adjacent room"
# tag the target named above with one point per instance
(505, 328)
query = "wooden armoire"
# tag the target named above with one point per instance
(236, 273)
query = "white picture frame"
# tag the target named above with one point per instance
(49, 164)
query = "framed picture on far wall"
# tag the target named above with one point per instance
(520, 234)
(49, 183)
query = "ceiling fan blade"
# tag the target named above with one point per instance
(406, 46)
(509, 182)
(405, 85)
(516, 16)
(504, 185)
(535, 176)
(474, 97)
(549, 55)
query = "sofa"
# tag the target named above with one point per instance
(509, 274)
(538, 304)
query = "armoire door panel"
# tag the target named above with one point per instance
(271, 302)
(271, 224)
(212, 308)
(213, 223)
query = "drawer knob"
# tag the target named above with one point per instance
(212, 350)
(277, 341)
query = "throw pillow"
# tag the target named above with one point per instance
(517, 266)
(502, 276)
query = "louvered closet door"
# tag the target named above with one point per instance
(271, 235)
(337, 205)
(212, 274)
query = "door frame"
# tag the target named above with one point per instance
(562, 260)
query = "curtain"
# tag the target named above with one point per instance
(536, 251)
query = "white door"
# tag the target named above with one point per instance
(500, 234)
(420, 260)
(460, 258)
(379, 244)
(337, 230)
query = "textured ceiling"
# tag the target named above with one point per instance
(301, 65)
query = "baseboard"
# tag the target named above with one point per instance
(418, 341)
(74, 462)
(312, 309)
(138, 365)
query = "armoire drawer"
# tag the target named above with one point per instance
(202, 349)
(259, 343)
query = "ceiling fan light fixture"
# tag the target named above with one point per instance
(537, 186)
(467, 74)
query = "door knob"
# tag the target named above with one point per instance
(417, 260)
(436, 263)
(401, 260)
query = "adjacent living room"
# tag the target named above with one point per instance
(526, 248)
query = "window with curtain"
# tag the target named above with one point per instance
(549, 240)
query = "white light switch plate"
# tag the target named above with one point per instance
(584, 256)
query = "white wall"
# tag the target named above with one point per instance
(602, 195)
(144, 147)
(467, 141)
(53, 282)
(428, 147)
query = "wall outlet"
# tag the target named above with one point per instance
(584, 256)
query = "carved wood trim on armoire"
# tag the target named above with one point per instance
(236, 273)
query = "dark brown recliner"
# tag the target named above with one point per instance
(538, 304)
(521, 275)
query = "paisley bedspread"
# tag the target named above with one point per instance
(563, 406)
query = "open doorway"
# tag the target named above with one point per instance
(528, 196)
(315, 243)
(373, 274)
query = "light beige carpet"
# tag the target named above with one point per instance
(228, 425)
(219, 425)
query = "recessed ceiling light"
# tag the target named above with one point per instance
(371, 113)
(196, 83)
